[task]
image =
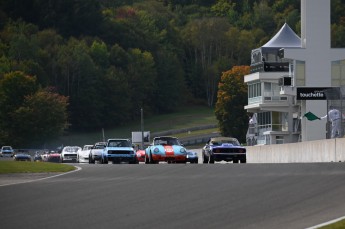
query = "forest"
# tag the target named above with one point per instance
(95, 63)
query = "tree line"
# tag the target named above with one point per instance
(104, 60)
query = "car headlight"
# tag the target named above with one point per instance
(183, 150)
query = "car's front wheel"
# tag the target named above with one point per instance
(91, 160)
(152, 161)
(211, 161)
(204, 159)
(147, 160)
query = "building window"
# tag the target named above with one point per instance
(338, 73)
(264, 118)
(272, 121)
(272, 89)
(279, 139)
(300, 73)
(254, 90)
(267, 87)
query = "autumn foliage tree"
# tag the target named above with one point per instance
(231, 99)
(30, 115)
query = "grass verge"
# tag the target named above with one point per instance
(337, 225)
(33, 167)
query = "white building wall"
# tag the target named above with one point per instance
(317, 53)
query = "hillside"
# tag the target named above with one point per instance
(182, 123)
(94, 63)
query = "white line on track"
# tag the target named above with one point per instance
(44, 178)
(326, 223)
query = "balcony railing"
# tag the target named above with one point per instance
(269, 67)
(255, 133)
(266, 99)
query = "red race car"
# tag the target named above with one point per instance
(54, 157)
(140, 155)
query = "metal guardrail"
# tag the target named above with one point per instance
(196, 140)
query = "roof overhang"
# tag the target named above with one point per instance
(257, 76)
(259, 107)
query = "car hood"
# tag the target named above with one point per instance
(191, 153)
(120, 148)
(140, 152)
(84, 153)
(227, 145)
(69, 152)
(97, 150)
(22, 155)
(165, 148)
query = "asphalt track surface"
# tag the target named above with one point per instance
(268, 196)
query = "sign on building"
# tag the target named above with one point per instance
(315, 93)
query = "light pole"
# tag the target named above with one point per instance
(142, 128)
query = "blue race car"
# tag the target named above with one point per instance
(22, 155)
(167, 149)
(118, 151)
(192, 157)
(223, 149)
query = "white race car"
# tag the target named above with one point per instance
(96, 152)
(83, 155)
(70, 153)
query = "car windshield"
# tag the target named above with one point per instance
(166, 141)
(6, 148)
(72, 149)
(119, 143)
(225, 141)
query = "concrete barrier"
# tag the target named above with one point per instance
(329, 150)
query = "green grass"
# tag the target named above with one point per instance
(337, 225)
(33, 167)
(196, 132)
(181, 119)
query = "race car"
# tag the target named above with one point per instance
(223, 149)
(83, 155)
(167, 149)
(117, 151)
(95, 153)
(6, 151)
(22, 155)
(140, 155)
(54, 157)
(192, 157)
(70, 153)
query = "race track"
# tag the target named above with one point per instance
(229, 195)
